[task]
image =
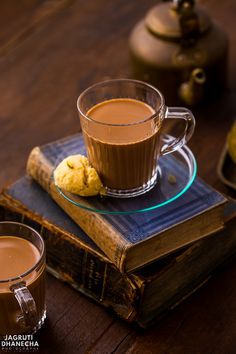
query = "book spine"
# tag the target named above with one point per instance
(79, 266)
(41, 170)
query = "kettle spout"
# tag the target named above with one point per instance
(191, 92)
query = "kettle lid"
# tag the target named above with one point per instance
(177, 20)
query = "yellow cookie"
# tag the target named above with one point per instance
(231, 142)
(75, 175)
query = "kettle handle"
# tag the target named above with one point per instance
(188, 21)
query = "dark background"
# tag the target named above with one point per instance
(49, 52)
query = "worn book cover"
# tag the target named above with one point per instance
(132, 241)
(142, 296)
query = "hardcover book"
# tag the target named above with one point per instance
(132, 241)
(142, 296)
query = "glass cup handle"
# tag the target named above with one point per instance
(26, 303)
(177, 143)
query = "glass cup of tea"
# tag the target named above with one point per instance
(122, 123)
(22, 283)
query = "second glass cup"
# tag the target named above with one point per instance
(122, 123)
(22, 283)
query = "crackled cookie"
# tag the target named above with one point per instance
(75, 175)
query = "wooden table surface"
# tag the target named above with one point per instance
(50, 50)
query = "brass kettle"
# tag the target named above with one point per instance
(180, 50)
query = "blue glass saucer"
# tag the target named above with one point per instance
(176, 173)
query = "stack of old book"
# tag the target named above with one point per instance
(139, 265)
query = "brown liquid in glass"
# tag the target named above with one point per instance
(18, 256)
(125, 157)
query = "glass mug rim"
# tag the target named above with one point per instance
(42, 253)
(132, 81)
